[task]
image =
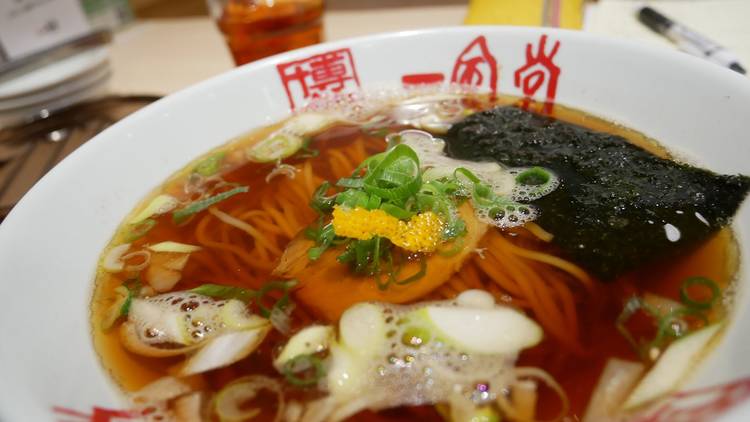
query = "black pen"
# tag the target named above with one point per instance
(688, 40)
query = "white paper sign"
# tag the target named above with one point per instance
(27, 26)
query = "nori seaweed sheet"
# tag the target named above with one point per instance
(612, 210)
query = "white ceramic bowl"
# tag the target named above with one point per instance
(50, 243)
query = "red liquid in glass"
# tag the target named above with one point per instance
(255, 29)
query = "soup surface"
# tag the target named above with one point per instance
(236, 216)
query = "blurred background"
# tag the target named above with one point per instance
(70, 68)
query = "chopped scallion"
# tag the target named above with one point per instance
(182, 214)
(224, 292)
(320, 202)
(535, 176)
(400, 163)
(419, 274)
(396, 211)
(283, 302)
(133, 286)
(295, 368)
(673, 325)
(140, 229)
(306, 151)
(210, 165)
(323, 238)
(704, 283)
(350, 182)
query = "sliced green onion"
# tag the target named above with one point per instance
(175, 247)
(305, 151)
(457, 247)
(181, 215)
(466, 173)
(138, 230)
(535, 176)
(283, 286)
(133, 286)
(633, 305)
(350, 182)
(416, 276)
(392, 140)
(118, 309)
(210, 165)
(353, 198)
(323, 238)
(125, 308)
(396, 211)
(276, 147)
(364, 254)
(220, 291)
(400, 160)
(304, 364)
(374, 202)
(665, 327)
(320, 202)
(533, 183)
(315, 252)
(703, 282)
(161, 204)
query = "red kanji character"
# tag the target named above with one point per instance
(475, 66)
(538, 69)
(100, 414)
(329, 72)
(422, 79)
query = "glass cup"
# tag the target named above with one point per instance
(254, 29)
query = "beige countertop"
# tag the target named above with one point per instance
(161, 56)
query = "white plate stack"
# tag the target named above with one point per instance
(67, 81)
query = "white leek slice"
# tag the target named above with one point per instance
(159, 205)
(309, 123)
(162, 279)
(347, 372)
(223, 350)
(615, 383)
(170, 325)
(289, 139)
(112, 262)
(161, 390)
(133, 343)
(176, 323)
(672, 367)
(231, 402)
(362, 328)
(176, 247)
(114, 311)
(500, 330)
(234, 316)
(475, 298)
(165, 269)
(188, 407)
(276, 147)
(176, 262)
(312, 339)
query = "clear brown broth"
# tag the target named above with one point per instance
(716, 259)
